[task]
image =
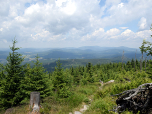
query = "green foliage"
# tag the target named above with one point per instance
(60, 82)
(75, 99)
(101, 105)
(146, 46)
(35, 80)
(10, 89)
(45, 108)
(86, 100)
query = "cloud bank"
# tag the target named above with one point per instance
(74, 23)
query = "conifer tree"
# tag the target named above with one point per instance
(76, 77)
(132, 63)
(60, 81)
(137, 64)
(72, 71)
(2, 75)
(89, 67)
(10, 89)
(89, 70)
(129, 66)
(35, 80)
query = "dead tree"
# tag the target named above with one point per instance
(122, 59)
(149, 61)
(135, 61)
(145, 63)
(140, 65)
(135, 100)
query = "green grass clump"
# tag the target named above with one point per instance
(75, 99)
(101, 105)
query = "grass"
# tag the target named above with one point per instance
(98, 100)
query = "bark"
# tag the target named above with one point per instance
(134, 100)
(35, 101)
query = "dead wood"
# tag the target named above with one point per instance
(134, 100)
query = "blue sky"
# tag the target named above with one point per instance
(75, 23)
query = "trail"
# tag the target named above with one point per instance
(84, 106)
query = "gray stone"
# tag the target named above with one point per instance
(84, 108)
(77, 112)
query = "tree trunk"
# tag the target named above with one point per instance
(140, 65)
(145, 63)
(122, 59)
(149, 62)
(35, 101)
(135, 61)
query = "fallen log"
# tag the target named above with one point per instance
(135, 100)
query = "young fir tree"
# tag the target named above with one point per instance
(90, 76)
(72, 71)
(60, 82)
(35, 80)
(132, 63)
(129, 66)
(2, 75)
(76, 77)
(10, 89)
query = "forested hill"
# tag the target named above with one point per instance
(48, 55)
(50, 66)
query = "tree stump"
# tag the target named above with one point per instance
(35, 101)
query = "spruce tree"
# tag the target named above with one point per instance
(132, 63)
(76, 77)
(2, 75)
(72, 71)
(90, 71)
(129, 66)
(137, 64)
(10, 89)
(60, 82)
(35, 80)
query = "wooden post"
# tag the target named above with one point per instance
(35, 101)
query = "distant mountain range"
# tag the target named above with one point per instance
(86, 52)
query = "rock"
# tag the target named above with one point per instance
(101, 81)
(9, 111)
(84, 108)
(111, 81)
(77, 112)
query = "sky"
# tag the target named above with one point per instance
(75, 23)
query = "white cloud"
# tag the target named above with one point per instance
(127, 32)
(1, 29)
(142, 23)
(123, 27)
(113, 2)
(113, 32)
(129, 11)
(72, 21)
(66, 6)
(5, 41)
